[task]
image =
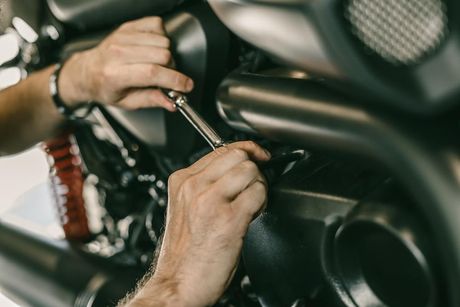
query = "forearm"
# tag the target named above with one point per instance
(27, 113)
(153, 290)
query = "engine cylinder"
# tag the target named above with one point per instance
(67, 182)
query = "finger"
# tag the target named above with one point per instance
(223, 164)
(142, 39)
(254, 151)
(152, 24)
(145, 98)
(171, 79)
(135, 54)
(249, 203)
(236, 180)
(150, 75)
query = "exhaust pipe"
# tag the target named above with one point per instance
(419, 151)
(40, 272)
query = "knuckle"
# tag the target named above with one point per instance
(125, 25)
(153, 71)
(220, 150)
(165, 56)
(172, 179)
(107, 73)
(190, 184)
(179, 81)
(115, 49)
(157, 21)
(260, 187)
(239, 153)
(176, 176)
(250, 167)
(251, 144)
(166, 42)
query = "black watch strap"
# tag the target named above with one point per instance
(54, 92)
(77, 112)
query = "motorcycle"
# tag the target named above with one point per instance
(366, 91)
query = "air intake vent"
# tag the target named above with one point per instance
(400, 31)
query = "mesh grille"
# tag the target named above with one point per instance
(400, 31)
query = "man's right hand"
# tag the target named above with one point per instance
(125, 69)
(211, 204)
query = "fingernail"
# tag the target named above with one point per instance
(170, 107)
(189, 85)
(268, 153)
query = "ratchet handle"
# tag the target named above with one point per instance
(180, 101)
(209, 134)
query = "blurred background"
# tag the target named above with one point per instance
(25, 197)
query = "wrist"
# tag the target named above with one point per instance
(73, 84)
(159, 292)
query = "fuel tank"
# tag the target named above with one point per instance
(382, 52)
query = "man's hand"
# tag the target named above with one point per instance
(125, 69)
(211, 204)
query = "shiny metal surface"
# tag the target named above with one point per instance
(317, 37)
(420, 152)
(113, 137)
(278, 27)
(180, 101)
(44, 272)
(413, 29)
